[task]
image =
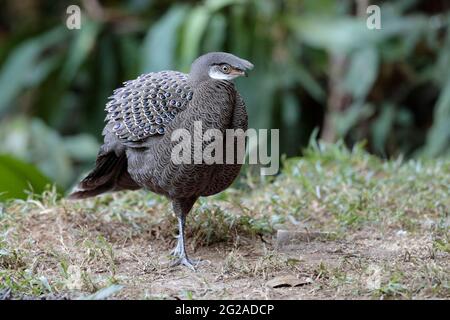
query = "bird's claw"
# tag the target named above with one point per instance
(177, 251)
(185, 261)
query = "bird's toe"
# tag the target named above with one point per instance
(185, 261)
(177, 251)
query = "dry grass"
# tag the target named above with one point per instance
(391, 219)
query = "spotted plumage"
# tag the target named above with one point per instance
(143, 107)
(141, 118)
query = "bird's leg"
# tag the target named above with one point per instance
(177, 250)
(182, 208)
(180, 249)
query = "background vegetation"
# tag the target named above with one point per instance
(317, 66)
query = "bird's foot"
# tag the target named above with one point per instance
(185, 261)
(178, 250)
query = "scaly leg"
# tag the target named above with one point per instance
(177, 250)
(182, 208)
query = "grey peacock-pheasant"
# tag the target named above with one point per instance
(142, 115)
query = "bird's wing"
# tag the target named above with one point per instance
(143, 107)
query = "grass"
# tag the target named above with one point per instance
(390, 217)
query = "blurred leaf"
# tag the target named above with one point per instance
(438, 138)
(80, 48)
(349, 118)
(382, 126)
(129, 48)
(42, 70)
(36, 142)
(104, 77)
(345, 34)
(440, 70)
(82, 147)
(328, 7)
(290, 118)
(160, 43)
(49, 152)
(137, 6)
(308, 83)
(362, 72)
(258, 91)
(17, 72)
(333, 34)
(215, 5)
(215, 37)
(194, 28)
(17, 176)
(242, 35)
(291, 110)
(396, 24)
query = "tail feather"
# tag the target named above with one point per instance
(109, 172)
(83, 194)
(107, 167)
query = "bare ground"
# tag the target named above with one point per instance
(96, 252)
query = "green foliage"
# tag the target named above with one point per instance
(353, 188)
(394, 80)
(17, 177)
(20, 71)
(59, 158)
(159, 45)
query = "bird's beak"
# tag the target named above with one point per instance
(239, 72)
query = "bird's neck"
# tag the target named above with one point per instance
(215, 89)
(216, 100)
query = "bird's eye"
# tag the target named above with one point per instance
(225, 68)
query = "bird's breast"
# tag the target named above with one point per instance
(213, 103)
(211, 107)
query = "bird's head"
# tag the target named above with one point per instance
(220, 66)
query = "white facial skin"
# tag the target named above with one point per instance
(222, 72)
